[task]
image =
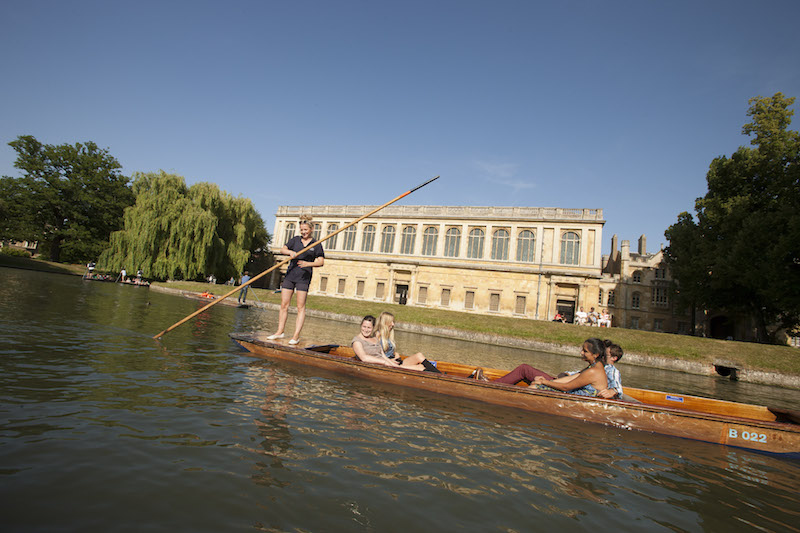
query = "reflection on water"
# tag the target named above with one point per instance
(118, 432)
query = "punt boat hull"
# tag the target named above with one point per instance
(755, 427)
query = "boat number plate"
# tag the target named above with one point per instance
(675, 398)
(747, 435)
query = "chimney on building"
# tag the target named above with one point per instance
(612, 265)
(642, 245)
(626, 250)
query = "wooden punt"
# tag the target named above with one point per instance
(230, 303)
(753, 427)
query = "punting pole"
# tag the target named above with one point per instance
(277, 265)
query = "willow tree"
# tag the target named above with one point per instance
(179, 232)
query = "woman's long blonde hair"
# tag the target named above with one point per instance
(386, 333)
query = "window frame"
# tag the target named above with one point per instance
(408, 239)
(452, 242)
(368, 238)
(430, 238)
(501, 240)
(476, 243)
(570, 248)
(526, 245)
(388, 234)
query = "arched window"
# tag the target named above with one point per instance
(526, 246)
(332, 242)
(500, 245)
(637, 276)
(387, 239)
(570, 248)
(452, 242)
(368, 239)
(407, 240)
(289, 233)
(350, 238)
(429, 239)
(475, 244)
(317, 232)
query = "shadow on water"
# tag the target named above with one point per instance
(118, 432)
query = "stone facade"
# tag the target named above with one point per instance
(512, 261)
(636, 288)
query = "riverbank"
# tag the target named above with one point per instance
(26, 263)
(754, 363)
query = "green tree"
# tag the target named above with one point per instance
(69, 198)
(743, 254)
(179, 232)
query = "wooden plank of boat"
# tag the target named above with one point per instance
(704, 419)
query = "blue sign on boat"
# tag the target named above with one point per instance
(675, 398)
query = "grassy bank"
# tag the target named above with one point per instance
(40, 265)
(782, 359)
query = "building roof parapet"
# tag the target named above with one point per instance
(448, 212)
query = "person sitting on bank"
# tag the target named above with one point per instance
(559, 317)
(385, 336)
(588, 382)
(581, 317)
(605, 319)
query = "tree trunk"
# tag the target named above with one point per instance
(55, 249)
(761, 328)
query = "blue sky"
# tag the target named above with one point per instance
(619, 105)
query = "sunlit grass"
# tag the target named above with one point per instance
(40, 265)
(782, 359)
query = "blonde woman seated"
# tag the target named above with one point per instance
(385, 336)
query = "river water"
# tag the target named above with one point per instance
(104, 429)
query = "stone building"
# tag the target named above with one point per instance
(513, 261)
(636, 288)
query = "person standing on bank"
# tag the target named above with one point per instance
(298, 278)
(243, 290)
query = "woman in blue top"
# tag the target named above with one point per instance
(298, 278)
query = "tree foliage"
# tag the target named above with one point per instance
(69, 198)
(743, 253)
(179, 232)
